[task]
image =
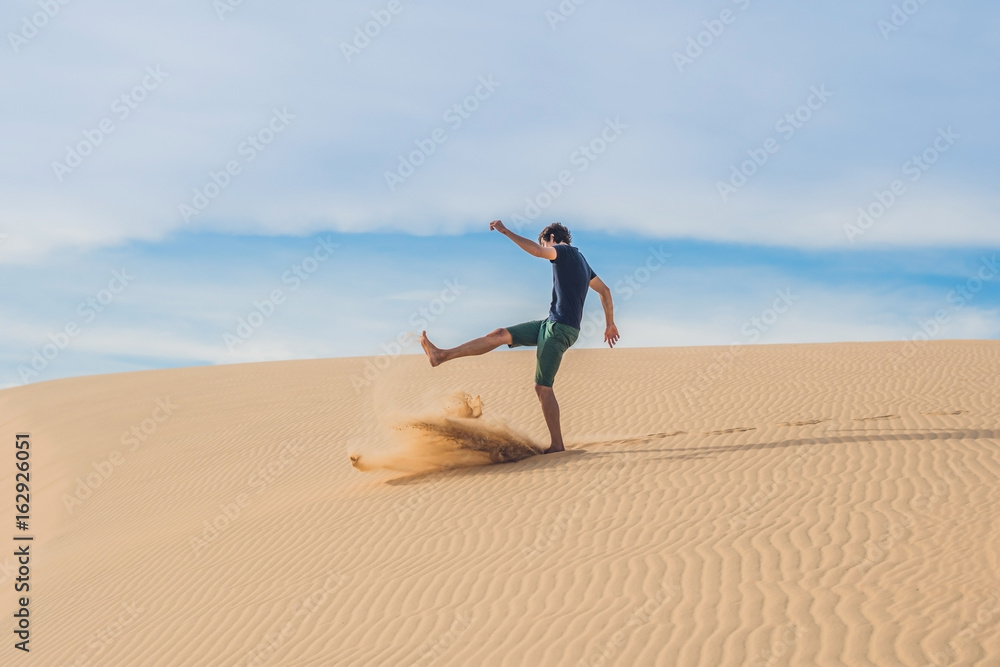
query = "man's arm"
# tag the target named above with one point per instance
(611, 335)
(527, 245)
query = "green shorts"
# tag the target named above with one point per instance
(552, 339)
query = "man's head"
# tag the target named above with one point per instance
(555, 233)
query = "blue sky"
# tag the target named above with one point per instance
(643, 109)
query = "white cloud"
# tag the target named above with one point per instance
(354, 119)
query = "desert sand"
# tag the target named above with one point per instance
(834, 504)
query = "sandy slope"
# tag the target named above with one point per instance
(794, 504)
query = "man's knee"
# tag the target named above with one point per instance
(500, 336)
(543, 391)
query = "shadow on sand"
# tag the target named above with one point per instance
(587, 454)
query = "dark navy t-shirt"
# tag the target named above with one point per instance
(571, 276)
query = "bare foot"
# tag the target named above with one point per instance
(432, 350)
(553, 449)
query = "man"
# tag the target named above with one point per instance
(571, 276)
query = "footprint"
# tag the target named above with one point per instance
(955, 412)
(879, 418)
(738, 429)
(808, 422)
(642, 438)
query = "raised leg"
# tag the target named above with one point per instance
(487, 343)
(550, 408)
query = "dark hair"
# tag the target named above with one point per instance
(559, 231)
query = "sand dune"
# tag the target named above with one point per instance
(769, 505)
